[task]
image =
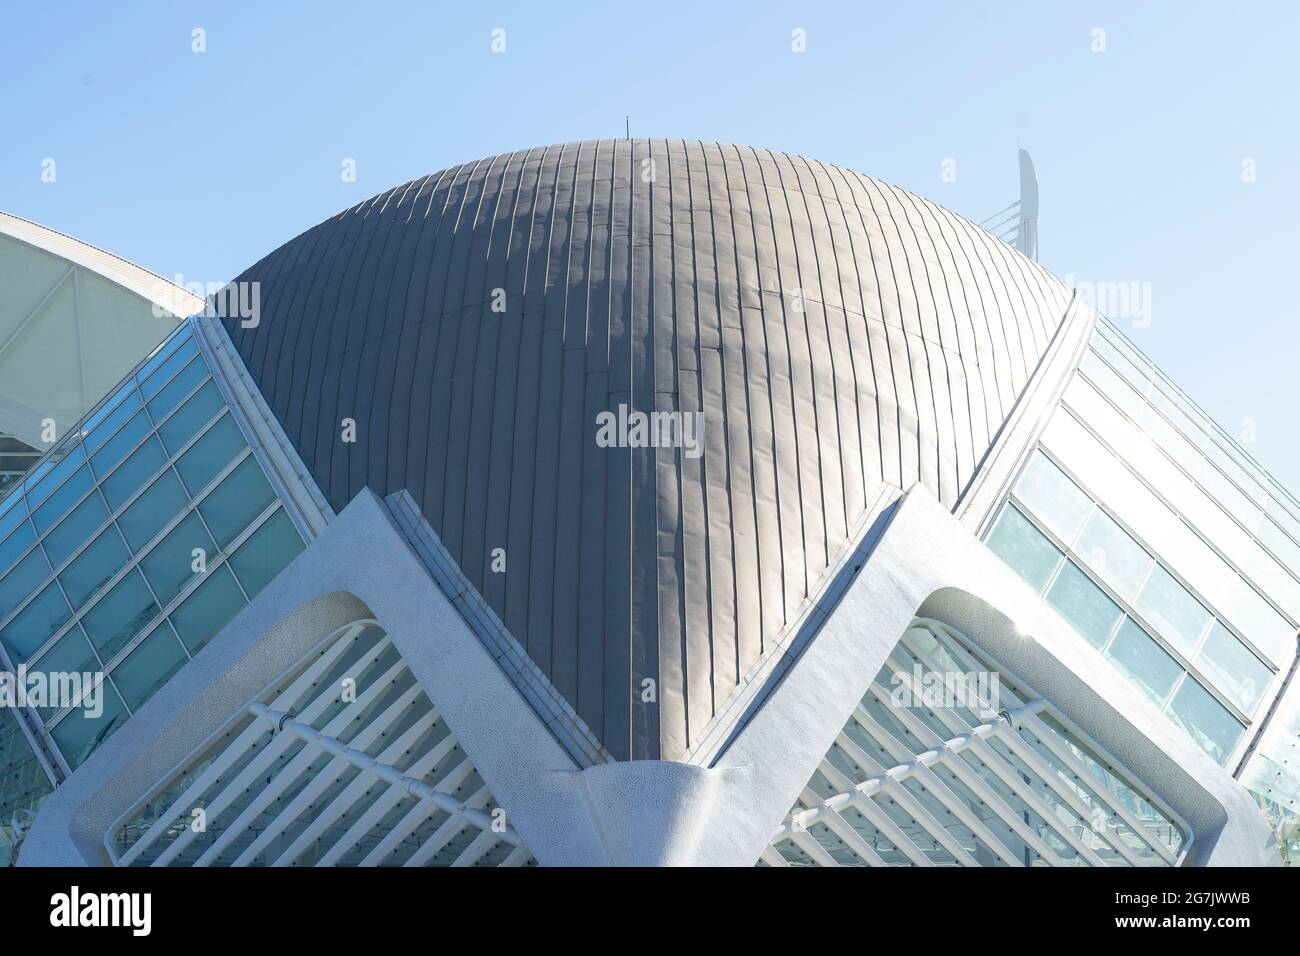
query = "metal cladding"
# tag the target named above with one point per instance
(833, 331)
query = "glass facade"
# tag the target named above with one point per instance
(1174, 554)
(1130, 607)
(135, 540)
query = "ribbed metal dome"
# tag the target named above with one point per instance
(835, 332)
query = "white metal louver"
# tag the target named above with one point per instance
(342, 762)
(926, 784)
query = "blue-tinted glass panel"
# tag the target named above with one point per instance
(208, 609)
(1056, 500)
(1144, 661)
(190, 376)
(120, 445)
(191, 416)
(1024, 547)
(35, 624)
(12, 511)
(120, 615)
(207, 456)
(1207, 721)
(22, 581)
(15, 546)
(57, 505)
(1083, 604)
(85, 728)
(76, 529)
(152, 382)
(266, 552)
(169, 567)
(100, 426)
(71, 655)
(1109, 550)
(149, 666)
(1170, 609)
(1238, 674)
(143, 464)
(242, 496)
(54, 474)
(95, 566)
(165, 351)
(161, 502)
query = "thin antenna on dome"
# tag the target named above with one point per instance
(627, 127)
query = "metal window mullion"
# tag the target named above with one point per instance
(806, 842)
(114, 514)
(1127, 465)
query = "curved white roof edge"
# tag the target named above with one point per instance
(128, 275)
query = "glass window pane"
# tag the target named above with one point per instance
(1083, 604)
(35, 624)
(53, 474)
(149, 666)
(155, 376)
(191, 416)
(143, 464)
(164, 499)
(71, 655)
(1240, 675)
(1017, 542)
(15, 545)
(94, 567)
(1172, 611)
(169, 567)
(1143, 661)
(1118, 560)
(168, 348)
(120, 445)
(1254, 617)
(60, 501)
(207, 456)
(206, 611)
(266, 552)
(177, 389)
(85, 728)
(12, 511)
(120, 615)
(19, 583)
(1206, 720)
(1056, 500)
(100, 427)
(242, 496)
(76, 529)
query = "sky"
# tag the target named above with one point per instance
(1164, 133)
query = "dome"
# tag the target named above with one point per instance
(661, 382)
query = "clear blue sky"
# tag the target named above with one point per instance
(202, 163)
